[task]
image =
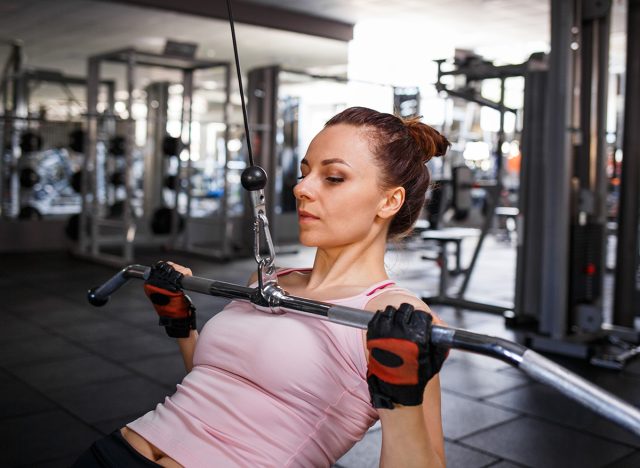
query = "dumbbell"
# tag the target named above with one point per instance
(171, 182)
(172, 146)
(28, 178)
(76, 181)
(30, 142)
(162, 219)
(117, 179)
(76, 140)
(117, 146)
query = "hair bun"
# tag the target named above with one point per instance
(431, 142)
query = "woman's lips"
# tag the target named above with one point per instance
(303, 216)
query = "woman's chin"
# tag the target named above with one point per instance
(304, 240)
(309, 240)
(325, 241)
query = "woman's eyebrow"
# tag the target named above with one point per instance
(326, 162)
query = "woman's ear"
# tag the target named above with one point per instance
(391, 204)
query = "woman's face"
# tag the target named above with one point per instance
(339, 194)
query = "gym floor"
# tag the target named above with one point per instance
(70, 373)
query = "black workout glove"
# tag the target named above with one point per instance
(401, 358)
(177, 312)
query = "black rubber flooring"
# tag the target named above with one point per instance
(70, 372)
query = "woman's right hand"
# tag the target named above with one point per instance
(175, 309)
(402, 358)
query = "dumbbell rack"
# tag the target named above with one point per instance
(99, 235)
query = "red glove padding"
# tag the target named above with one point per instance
(175, 309)
(401, 358)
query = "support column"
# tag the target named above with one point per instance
(627, 281)
(530, 228)
(184, 167)
(89, 186)
(589, 183)
(154, 159)
(557, 170)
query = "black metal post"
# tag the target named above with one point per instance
(528, 266)
(627, 278)
(554, 193)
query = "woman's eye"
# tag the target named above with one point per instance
(331, 179)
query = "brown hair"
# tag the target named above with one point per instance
(401, 147)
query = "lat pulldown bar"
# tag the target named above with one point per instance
(531, 363)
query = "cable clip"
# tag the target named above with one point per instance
(267, 277)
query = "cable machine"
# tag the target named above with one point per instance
(562, 220)
(561, 253)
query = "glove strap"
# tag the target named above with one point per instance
(381, 401)
(179, 328)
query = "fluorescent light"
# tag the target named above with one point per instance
(476, 151)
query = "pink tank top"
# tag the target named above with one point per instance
(268, 390)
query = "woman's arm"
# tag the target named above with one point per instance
(187, 347)
(412, 436)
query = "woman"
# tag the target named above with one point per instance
(291, 390)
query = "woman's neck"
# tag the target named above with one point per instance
(359, 264)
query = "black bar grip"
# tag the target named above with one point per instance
(99, 295)
(218, 288)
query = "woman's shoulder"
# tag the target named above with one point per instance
(397, 296)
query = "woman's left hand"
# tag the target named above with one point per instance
(175, 309)
(401, 357)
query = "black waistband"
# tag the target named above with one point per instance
(113, 451)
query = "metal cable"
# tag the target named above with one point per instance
(244, 107)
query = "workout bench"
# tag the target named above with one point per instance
(454, 236)
(445, 237)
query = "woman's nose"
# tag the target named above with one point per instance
(303, 190)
